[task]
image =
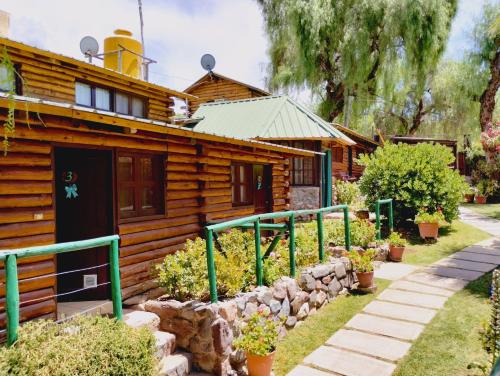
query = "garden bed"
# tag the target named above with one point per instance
(207, 330)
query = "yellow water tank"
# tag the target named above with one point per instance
(131, 62)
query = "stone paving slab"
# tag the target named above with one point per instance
(387, 327)
(466, 264)
(370, 344)
(394, 271)
(489, 246)
(307, 371)
(444, 271)
(412, 298)
(437, 281)
(477, 257)
(400, 311)
(419, 287)
(348, 363)
(487, 224)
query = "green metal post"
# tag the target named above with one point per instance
(273, 245)
(258, 258)
(209, 236)
(291, 245)
(11, 298)
(321, 245)
(347, 228)
(328, 177)
(377, 220)
(391, 216)
(116, 291)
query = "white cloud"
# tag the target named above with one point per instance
(177, 33)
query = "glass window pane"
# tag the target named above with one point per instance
(147, 198)
(137, 107)
(147, 168)
(83, 94)
(242, 174)
(125, 168)
(243, 194)
(7, 79)
(102, 98)
(121, 103)
(126, 199)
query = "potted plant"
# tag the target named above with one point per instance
(362, 263)
(469, 194)
(397, 246)
(428, 223)
(485, 187)
(258, 340)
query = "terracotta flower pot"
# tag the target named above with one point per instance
(428, 230)
(363, 214)
(260, 365)
(469, 197)
(396, 253)
(365, 279)
(480, 199)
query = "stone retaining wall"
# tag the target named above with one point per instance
(207, 330)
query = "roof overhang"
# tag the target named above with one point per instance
(99, 70)
(348, 142)
(67, 110)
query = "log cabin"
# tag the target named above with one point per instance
(215, 87)
(364, 145)
(93, 154)
(283, 121)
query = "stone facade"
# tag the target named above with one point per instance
(207, 330)
(304, 198)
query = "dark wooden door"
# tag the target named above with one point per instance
(262, 181)
(83, 184)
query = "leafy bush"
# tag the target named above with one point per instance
(184, 274)
(85, 346)
(259, 336)
(362, 262)
(396, 240)
(425, 217)
(306, 237)
(415, 176)
(347, 193)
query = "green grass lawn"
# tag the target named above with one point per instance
(316, 329)
(451, 239)
(451, 341)
(490, 210)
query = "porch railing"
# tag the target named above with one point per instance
(254, 222)
(10, 257)
(390, 215)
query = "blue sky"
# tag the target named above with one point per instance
(177, 32)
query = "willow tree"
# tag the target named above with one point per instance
(486, 54)
(342, 48)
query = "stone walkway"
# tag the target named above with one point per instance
(373, 341)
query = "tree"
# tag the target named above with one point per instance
(486, 54)
(341, 48)
(449, 104)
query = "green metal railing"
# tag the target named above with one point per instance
(255, 222)
(10, 258)
(378, 204)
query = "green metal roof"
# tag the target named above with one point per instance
(272, 117)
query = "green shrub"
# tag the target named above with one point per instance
(347, 193)
(362, 232)
(425, 217)
(259, 336)
(396, 240)
(85, 346)
(362, 262)
(415, 176)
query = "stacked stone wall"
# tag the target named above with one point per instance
(207, 330)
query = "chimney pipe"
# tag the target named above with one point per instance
(4, 24)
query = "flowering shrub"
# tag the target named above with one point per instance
(362, 262)
(490, 139)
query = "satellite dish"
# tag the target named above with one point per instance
(89, 46)
(208, 62)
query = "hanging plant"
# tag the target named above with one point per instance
(9, 125)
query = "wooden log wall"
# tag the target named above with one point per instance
(219, 88)
(48, 78)
(197, 190)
